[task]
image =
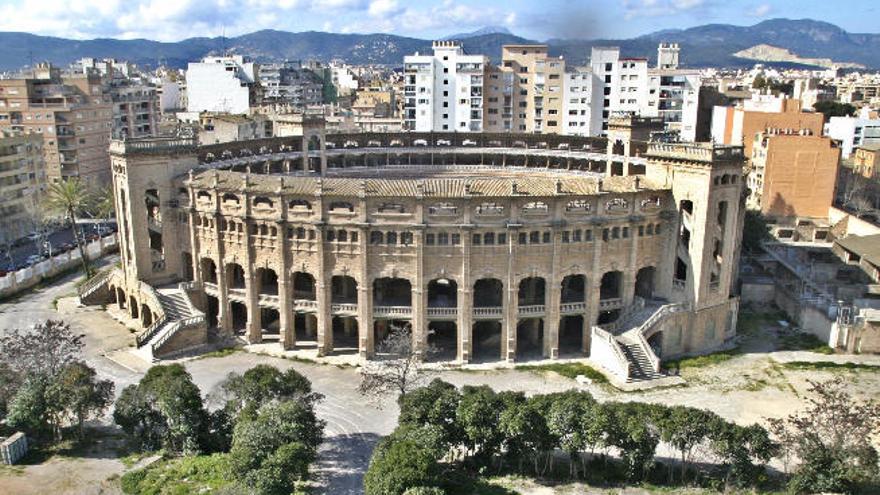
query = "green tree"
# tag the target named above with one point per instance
(9, 382)
(739, 448)
(478, 413)
(755, 231)
(434, 404)
(71, 198)
(257, 440)
(281, 470)
(164, 410)
(832, 438)
(684, 428)
(28, 410)
(834, 109)
(263, 384)
(76, 394)
(633, 432)
(567, 417)
(526, 434)
(399, 465)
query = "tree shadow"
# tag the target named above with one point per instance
(342, 461)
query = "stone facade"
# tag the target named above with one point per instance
(490, 246)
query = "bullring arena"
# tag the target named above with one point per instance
(491, 248)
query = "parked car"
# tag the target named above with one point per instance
(34, 259)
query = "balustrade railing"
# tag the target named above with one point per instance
(392, 310)
(344, 308)
(442, 312)
(613, 303)
(489, 312)
(535, 309)
(571, 308)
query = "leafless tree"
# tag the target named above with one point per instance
(44, 349)
(396, 368)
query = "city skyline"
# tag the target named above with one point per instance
(164, 20)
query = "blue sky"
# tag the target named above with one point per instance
(171, 20)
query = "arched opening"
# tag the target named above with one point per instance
(645, 282)
(209, 270)
(343, 290)
(345, 334)
(617, 148)
(488, 293)
(186, 262)
(532, 291)
(239, 316)
(120, 298)
(268, 281)
(389, 291)
(606, 317)
(611, 285)
(529, 338)
(384, 328)
(573, 289)
(442, 293)
(442, 340)
(270, 323)
(235, 276)
(486, 341)
(304, 286)
(655, 342)
(212, 311)
(146, 316)
(133, 307)
(306, 329)
(571, 336)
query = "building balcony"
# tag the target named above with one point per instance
(532, 310)
(489, 313)
(610, 304)
(392, 311)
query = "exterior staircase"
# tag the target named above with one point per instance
(626, 352)
(640, 366)
(178, 314)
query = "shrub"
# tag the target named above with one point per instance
(399, 465)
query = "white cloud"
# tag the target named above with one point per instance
(655, 8)
(759, 10)
(172, 20)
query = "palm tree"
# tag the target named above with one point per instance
(70, 198)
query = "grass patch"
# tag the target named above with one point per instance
(220, 353)
(798, 341)
(568, 370)
(180, 476)
(827, 366)
(696, 362)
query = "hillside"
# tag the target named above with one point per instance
(711, 45)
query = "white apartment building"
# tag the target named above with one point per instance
(577, 90)
(853, 132)
(344, 79)
(629, 85)
(221, 84)
(444, 91)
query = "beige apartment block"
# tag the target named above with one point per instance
(525, 94)
(490, 247)
(738, 126)
(793, 174)
(22, 183)
(74, 115)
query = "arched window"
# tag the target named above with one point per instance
(578, 206)
(263, 202)
(300, 233)
(203, 196)
(300, 205)
(443, 209)
(406, 238)
(535, 207)
(391, 208)
(376, 237)
(230, 198)
(341, 206)
(342, 235)
(391, 238)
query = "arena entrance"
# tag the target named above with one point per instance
(306, 325)
(571, 336)
(530, 339)
(345, 334)
(270, 324)
(486, 341)
(442, 341)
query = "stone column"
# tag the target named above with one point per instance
(253, 333)
(629, 275)
(224, 308)
(594, 282)
(322, 288)
(554, 299)
(511, 305)
(365, 296)
(419, 298)
(465, 300)
(194, 244)
(286, 316)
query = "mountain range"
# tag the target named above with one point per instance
(711, 45)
